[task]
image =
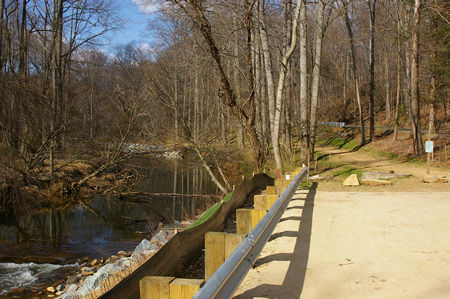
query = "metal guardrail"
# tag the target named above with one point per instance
(224, 282)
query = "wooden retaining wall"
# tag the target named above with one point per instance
(185, 247)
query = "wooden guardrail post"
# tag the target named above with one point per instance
(263, 201)
(247, 219)
(231, 242)
(218, 247)
(281, 185)
(214, 252)
(271, 190)
(182, 288)
(155, 287)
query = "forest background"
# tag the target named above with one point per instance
(251, 77)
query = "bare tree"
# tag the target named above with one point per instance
(316, 73)
(196, 12)
(415, 102)
(354, 68)
(372, 11)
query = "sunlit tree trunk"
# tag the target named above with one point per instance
(398, 91)
(355, 75)
(372, 10)
(387, 87)
(415, 102)
(304, 127)
(316, 74)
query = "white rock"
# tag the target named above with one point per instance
(352, 180)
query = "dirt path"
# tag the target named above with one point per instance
(356, 245)
(365, 161)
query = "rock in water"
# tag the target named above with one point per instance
(352, 180)
(60, 287)
(51, 289)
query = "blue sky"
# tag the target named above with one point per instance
(135, 25)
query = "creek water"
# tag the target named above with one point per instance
(37, 244)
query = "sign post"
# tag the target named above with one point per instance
(429, 151)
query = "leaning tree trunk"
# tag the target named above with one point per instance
(415, 103)
(246, 117)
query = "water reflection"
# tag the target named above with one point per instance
(101, 226)
(173, 176)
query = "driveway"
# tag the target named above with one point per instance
(356, 245)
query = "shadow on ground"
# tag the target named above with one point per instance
(295, 277)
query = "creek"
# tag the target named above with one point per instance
(39, 244)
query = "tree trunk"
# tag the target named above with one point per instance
(2, 4)
(22, 38)
(388, 87)
(432, 115)
(316, 75)
(258, 85)
(236, 80)
(397, 96)
(372, 9)
(344, 91)
(415, 102)
(355, 76)
(304, 128)
(175, 98)
(270, 86)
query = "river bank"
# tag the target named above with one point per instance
(62, 233)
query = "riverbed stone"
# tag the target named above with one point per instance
(93, 262)
(60, 287)
(51, 289)
(145, 246)
(121, 252)
(72, 288)
(73, 279)
(86, 269)
(124, 263)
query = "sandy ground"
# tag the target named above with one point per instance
(356, 245)
(365, 161)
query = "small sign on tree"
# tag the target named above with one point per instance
(428, 146)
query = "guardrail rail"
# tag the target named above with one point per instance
(224, 282)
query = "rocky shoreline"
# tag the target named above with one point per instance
(94, 277)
